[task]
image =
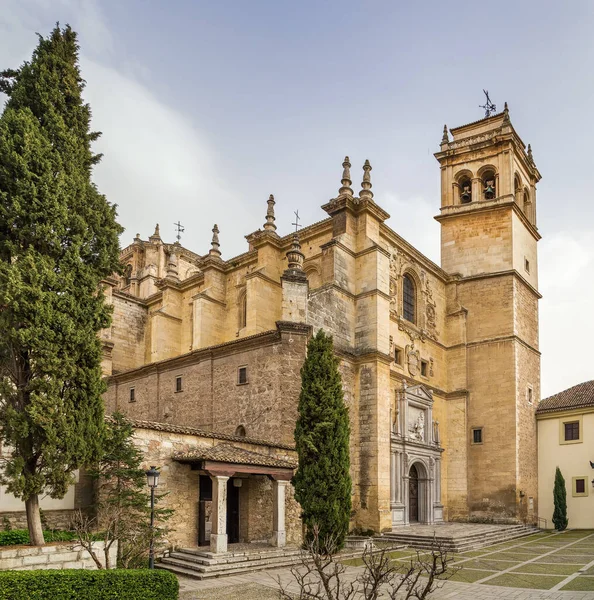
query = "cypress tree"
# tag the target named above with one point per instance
(560, 501)
(58, 240)
(322, 481)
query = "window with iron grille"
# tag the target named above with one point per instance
(572, 431)
(408, 298)
(477, 435)
(242, 375)
(580, 486)
(179, 384)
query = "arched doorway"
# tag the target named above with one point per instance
(413, 495)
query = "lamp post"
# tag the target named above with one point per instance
(152, 479)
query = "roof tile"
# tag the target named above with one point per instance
(231, 454)
(578, 396)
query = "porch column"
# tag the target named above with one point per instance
(279, 535)
(218, 536)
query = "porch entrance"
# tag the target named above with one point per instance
(413, 495)
(232, 513)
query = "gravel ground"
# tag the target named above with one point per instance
(250, 591)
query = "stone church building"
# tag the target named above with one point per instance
(440, 363)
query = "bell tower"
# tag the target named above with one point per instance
(489, 248)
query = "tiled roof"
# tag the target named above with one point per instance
(578, 396)
(230, 454)
(169, 427)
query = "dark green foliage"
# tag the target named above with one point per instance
(560, 501)
(58, 240)
(123, 508)
(322, 481)
(75, 584)
(20, 537)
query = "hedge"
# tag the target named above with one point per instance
(80, 584)
(20, 537)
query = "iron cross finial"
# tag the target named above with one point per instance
(297, 217)
(179, 228)
(488, 105)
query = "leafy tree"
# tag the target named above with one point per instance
(560, 501)
(58, 240)
(322, 481)
(123, 510)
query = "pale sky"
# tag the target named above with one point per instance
(207, 107)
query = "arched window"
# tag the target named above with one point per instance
(240, 431)
(465, 186)
(408, 298)
(242, 310)
(526, 203)
(489, 185)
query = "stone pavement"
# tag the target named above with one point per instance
(263, 585)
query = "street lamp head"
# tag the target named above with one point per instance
(152, 477)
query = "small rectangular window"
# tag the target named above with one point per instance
(424, 366)
(527, 265)
(580, 486)
(529, 395)
(179, 384)
(242, 375)
(477, 435)
(572, 431)
(398, 356)
(132, 395)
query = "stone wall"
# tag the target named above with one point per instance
(65, 555)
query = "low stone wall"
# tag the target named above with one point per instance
(54, 556)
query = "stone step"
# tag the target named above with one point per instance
(216, 559)
(462, 543)
(471, 536)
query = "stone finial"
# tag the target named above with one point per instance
(366, 183)
(506, 120)
(346, 190)
(445, 138)
(529, 152)
(172, 270)
(137, 239)
(156, 237)
(295, 259)
(214, 251)
(270, 218)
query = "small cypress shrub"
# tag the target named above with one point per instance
(560, 501)
(322, 481)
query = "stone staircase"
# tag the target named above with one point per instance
(200, 564)
(455, 538)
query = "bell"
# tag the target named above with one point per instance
(489, 191)
(465, 196)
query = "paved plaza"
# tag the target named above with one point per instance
(544, 566)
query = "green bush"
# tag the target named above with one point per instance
(20, 537)
(79, 584)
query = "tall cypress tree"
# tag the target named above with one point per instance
(322, 481)
(560, 501)
(58, 240)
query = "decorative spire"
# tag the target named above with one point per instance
(214, 251)
(445, 138)
(156, 237)
(137, 239)
(172, 271)
(530, 157)
(346, 190)
(366, 183)
(506, 120)
(295, 260)
(270, 218)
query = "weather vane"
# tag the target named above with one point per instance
(180, 229)
(488, 105)
(297, 217)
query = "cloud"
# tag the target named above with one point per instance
(157, 165)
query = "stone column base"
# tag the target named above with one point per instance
(279, 539)
(218, 542)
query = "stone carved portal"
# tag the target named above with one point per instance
(415, 478)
